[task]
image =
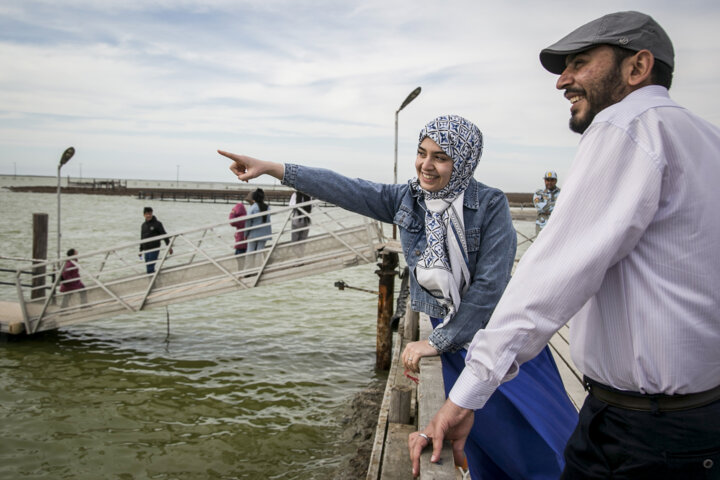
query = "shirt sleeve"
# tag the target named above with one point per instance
(161, 231)
(495, 258)
(608, 200)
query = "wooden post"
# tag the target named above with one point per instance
(386, 287)
(400, 401)
(39, 252)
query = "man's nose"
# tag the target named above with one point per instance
(563, 80)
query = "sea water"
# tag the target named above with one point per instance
(251, 384)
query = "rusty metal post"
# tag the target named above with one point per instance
(386, 287)
(39, 252)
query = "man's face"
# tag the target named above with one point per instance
(592, 81)
(550, 183)
(148, 216)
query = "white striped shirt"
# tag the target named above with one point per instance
(631, 254)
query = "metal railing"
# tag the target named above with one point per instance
(203, 262)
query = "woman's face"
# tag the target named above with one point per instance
(434, 166)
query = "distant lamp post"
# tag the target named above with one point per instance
(66, 156)
(409, 99)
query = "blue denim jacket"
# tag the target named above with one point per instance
(491, 241)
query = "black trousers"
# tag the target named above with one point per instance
(612, 442)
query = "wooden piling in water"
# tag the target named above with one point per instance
(39, 252)
(386, 286)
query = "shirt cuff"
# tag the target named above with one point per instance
(470, 392)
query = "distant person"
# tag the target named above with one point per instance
(544, 200)
(459, 242)
(70, 274)
(237, 215)
(151, 227)
(259, 226)
(630, 259)
(300, 216)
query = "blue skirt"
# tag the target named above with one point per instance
(522, 430)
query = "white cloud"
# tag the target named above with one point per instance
(140, 87)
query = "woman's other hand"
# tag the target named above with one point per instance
(414, 351)
(247, 168)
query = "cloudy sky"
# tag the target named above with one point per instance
(149, 89)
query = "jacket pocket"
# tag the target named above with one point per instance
(408, 220)
(473, 237)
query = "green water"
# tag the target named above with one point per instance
(253, 384)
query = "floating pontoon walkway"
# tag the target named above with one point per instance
(203, 263)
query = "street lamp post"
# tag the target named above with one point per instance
(409, 99)
(66, 156)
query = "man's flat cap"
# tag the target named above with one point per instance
(632, 30)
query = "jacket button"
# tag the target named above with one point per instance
(708, 463)
(417, 252)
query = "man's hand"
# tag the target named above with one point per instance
(247, 168)
(451, 422)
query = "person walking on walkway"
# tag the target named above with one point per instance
(70, 274)
(258, 228)
(237, 217)
(630, 258)
(151, 227)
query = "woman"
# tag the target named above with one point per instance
(300, 216)
(70, 274)
(259, 227)
(237, 215)
(459, 243)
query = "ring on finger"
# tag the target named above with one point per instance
(424, 436)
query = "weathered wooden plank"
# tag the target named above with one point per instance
(396, 378)
(379, 442)
(431, 396)
(396, 459)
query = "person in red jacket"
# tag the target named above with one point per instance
(238, 212)
(70, 274)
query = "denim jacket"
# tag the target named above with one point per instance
(491, 241)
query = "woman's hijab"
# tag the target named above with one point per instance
(442, 268)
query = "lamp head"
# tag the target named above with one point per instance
(67, 155)
(410, 98)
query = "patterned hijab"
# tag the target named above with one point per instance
(442, 269)
(462, 141)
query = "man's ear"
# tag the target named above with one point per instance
(639, 68)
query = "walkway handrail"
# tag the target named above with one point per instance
(203, 262)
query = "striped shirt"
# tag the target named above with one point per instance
(631, 258)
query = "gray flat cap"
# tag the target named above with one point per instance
(632, 30)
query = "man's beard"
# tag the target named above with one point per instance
(604, 92)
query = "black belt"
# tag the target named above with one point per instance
(650, 402)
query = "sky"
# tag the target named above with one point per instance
(150, 89)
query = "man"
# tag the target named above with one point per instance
(631, 256)
(151, 227)
(544, 200)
